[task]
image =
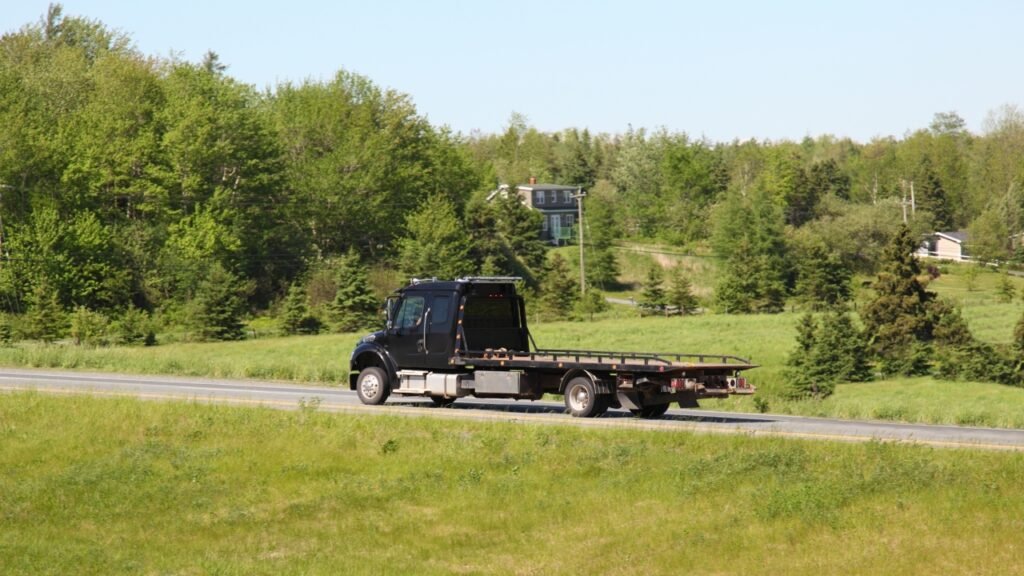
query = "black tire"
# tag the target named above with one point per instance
(651, 412)
(372, 386)
(441, 401)
(582, 399)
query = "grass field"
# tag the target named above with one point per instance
(116, 486)
(322, 359)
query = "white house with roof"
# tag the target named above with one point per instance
(945, 246)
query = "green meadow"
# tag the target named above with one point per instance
(120, 486)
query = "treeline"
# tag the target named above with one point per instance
(786, 218)
(136, 185)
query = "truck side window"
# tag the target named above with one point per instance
(411, 312)
(440, 311)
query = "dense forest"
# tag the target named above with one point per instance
(134, 187)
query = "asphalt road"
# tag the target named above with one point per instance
(291, 396)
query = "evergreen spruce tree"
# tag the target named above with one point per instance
(489, 266)
(897, 320)
(840, 352)
(487, 247)
(1018, 351)
(962, 356)
(6, 331)
(823, 279)
(680, 292)
(931, 195)
(1005, 289)
(437, 244)
(750, 234)
(355, 306)
(295, 311)
(602, 267)
(1018, 337)
(46, 320)
(800, 372)
(520, 228)
(590, 303)
(133, 327)
(219, 305)
(828, 353)
(652, 294)
(736, 286)
(88, 328)
(558, 291)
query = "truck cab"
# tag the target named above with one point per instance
(430, 322)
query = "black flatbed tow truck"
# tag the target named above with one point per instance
(448, 339)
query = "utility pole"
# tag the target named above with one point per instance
(2, 188)
(903, 201)
(579, 196)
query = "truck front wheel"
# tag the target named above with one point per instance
(372, 386)
(582, 399)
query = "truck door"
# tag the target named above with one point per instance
(441, 316)
(422, 332)
(406, 334)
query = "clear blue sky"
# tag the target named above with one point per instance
(722, 69)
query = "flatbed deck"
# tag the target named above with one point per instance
(669, 363)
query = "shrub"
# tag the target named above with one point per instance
(6, 330)
(88, 328)
(589, 304)
(1005, 290)
(134, 327)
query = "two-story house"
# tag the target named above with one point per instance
(556, 205)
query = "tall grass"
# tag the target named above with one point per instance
(100, 486)
(322, 359)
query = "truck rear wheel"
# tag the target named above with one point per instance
(372, 386)
(582, 399)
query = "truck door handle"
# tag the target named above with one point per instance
(426, 323)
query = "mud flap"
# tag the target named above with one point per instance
(629, 399)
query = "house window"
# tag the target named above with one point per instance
(544, 223)
(568, 220)
(566, 196)
(540, 197)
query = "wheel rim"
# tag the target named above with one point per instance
(370, 385)
(579, 398)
